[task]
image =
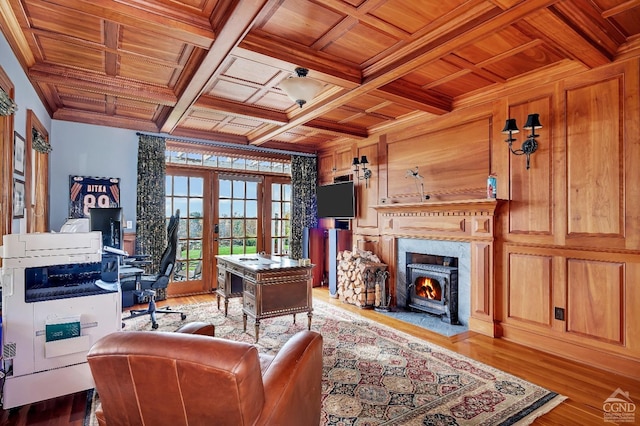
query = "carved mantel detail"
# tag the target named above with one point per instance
(464, 220)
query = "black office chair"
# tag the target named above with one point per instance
(150, 284)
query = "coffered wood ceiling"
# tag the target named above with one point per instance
(210, 69)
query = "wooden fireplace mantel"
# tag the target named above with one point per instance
(464, 220)
(459, 207)
(470, 221)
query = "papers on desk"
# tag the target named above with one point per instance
(107, 286)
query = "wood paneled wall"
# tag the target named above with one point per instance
(567, 248)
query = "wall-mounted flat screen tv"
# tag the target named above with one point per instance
(336, 200)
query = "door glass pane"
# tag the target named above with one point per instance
(185, 193)
(238, 213)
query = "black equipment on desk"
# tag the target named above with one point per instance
(107, 220)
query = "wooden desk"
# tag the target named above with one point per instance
(271, 286)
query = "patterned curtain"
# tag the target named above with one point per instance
(151, 233)
(7, 105)
(304, 178)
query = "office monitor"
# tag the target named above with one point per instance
(107, 220)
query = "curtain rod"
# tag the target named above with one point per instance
(227, 145)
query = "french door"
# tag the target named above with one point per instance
(224, 213)
(186, 191)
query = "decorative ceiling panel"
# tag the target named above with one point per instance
(212, 69)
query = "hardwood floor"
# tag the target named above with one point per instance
(585, 387)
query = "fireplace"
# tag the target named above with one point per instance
(433, 289)
(443, 261)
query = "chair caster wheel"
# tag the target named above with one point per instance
(154, 325)
(183, 316)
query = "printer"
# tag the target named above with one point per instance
(53, 311)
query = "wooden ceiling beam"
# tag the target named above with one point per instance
(337, 129)
(91, 82)
(339, 72)
(194, 29)
(237, 23)
(74, 115)
(239, 109)
(405, 93)
(573, 43)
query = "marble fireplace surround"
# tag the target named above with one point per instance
(463, 228)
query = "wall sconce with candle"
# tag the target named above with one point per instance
(359, 165)
(530, 145)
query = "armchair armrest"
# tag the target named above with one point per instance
(198, 327)
(293, 382)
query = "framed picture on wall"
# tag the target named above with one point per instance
(18, 199)
(18, 154)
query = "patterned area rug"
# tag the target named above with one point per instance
(375, 375)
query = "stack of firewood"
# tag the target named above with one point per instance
(354, 268)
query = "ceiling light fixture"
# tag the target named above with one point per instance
(300, 88)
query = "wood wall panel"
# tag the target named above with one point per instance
(530, 288)
(530, 195)
(367, 194)
(595, 165)
(595, 299)
(326, 167)
(451, 161)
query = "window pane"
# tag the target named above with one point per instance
(182, 229)
(238, 163)
(194, 159)
(238, 189)
(225, 188)
(286, 189)
(252, 191)
(275, 211)
(237, 228)
(275, 191)
(238, 208)
(168, 211)
(195, 249)
(251, 209)
(224, 229)
(252, 227)
(196, 185)
(252, 164)
(210, 161)
(180, 203)
(224, 208)
(180, 185)
(168, 185)
(286, 210)
(224, 247)
(195, 228)
(238, 246)
(252, 245)
(195, 207)
(224, 162)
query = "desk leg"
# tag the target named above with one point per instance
(294, 318)
(257, 327)
(244, 323)
(226, 306)
(218, 300)
(309, 315)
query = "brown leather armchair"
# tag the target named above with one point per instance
(158, 378)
